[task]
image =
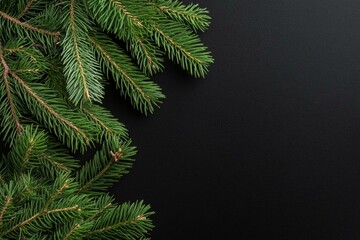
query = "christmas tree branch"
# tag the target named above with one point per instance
(58, 191)
(97, 120)
(49, 109)
(7, 203)
(130, 221)
(124, 221)
(25, 9)
(28, 151)
(115, 157)
(108, 125)
(107, 56)
(6, 71)
(44, 210)
(132, 82)
(56, 164)
(126, 12)
(72, 231)
(38, 215)
(176, 45)
(99, 212)
(54, 61)
(76, 49)
(84, 79)
(147, 60)
(194, 16)
(28, 26)
(13, 50)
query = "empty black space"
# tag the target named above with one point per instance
(268, 145)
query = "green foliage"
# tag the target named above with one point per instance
(194, 16)
(55, 59)
(43, 194)
(106, 167)
(128, 77)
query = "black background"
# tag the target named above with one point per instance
(267, 146)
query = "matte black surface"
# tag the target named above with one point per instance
(267, 146)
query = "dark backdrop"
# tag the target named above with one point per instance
(268, 145)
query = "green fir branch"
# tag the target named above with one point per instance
(54, 56)
(7, 106)
(27, 26)
(108, 165)
(26, 8)
(80, 66)
(194, 16)
(114, 16)
(185, 49)
(54, 110)
(108, 126)
(126, 221)
(143, 93)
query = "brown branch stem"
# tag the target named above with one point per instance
(7, 203)
(6, 71)
(26, 9)
(28, 26)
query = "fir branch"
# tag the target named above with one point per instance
(194, 16)
(115, 158)
(143, 93)
(6, 71)
(112, 62)
(67, 209)
(99, 212)
(151, 62)
(28, 151)
(129, 221)
(97, 120)
(38, 215)
(28, 26)
(56, 164)
(58, 191)
(76, 49)
(7, 203)
(148, 56)
(108, 125)
(133, 220)
(31, 70)
(106, 167)
(84, 80)
(182, 46)
(44, 211)
(176, 45)
(129, 23)
(49, 109)
(72, 231)
(25, 9)
(127, 13)
(13, 50)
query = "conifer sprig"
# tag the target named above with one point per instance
(106, 167)
(194, 16)
(55, 59)
(33, 203)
